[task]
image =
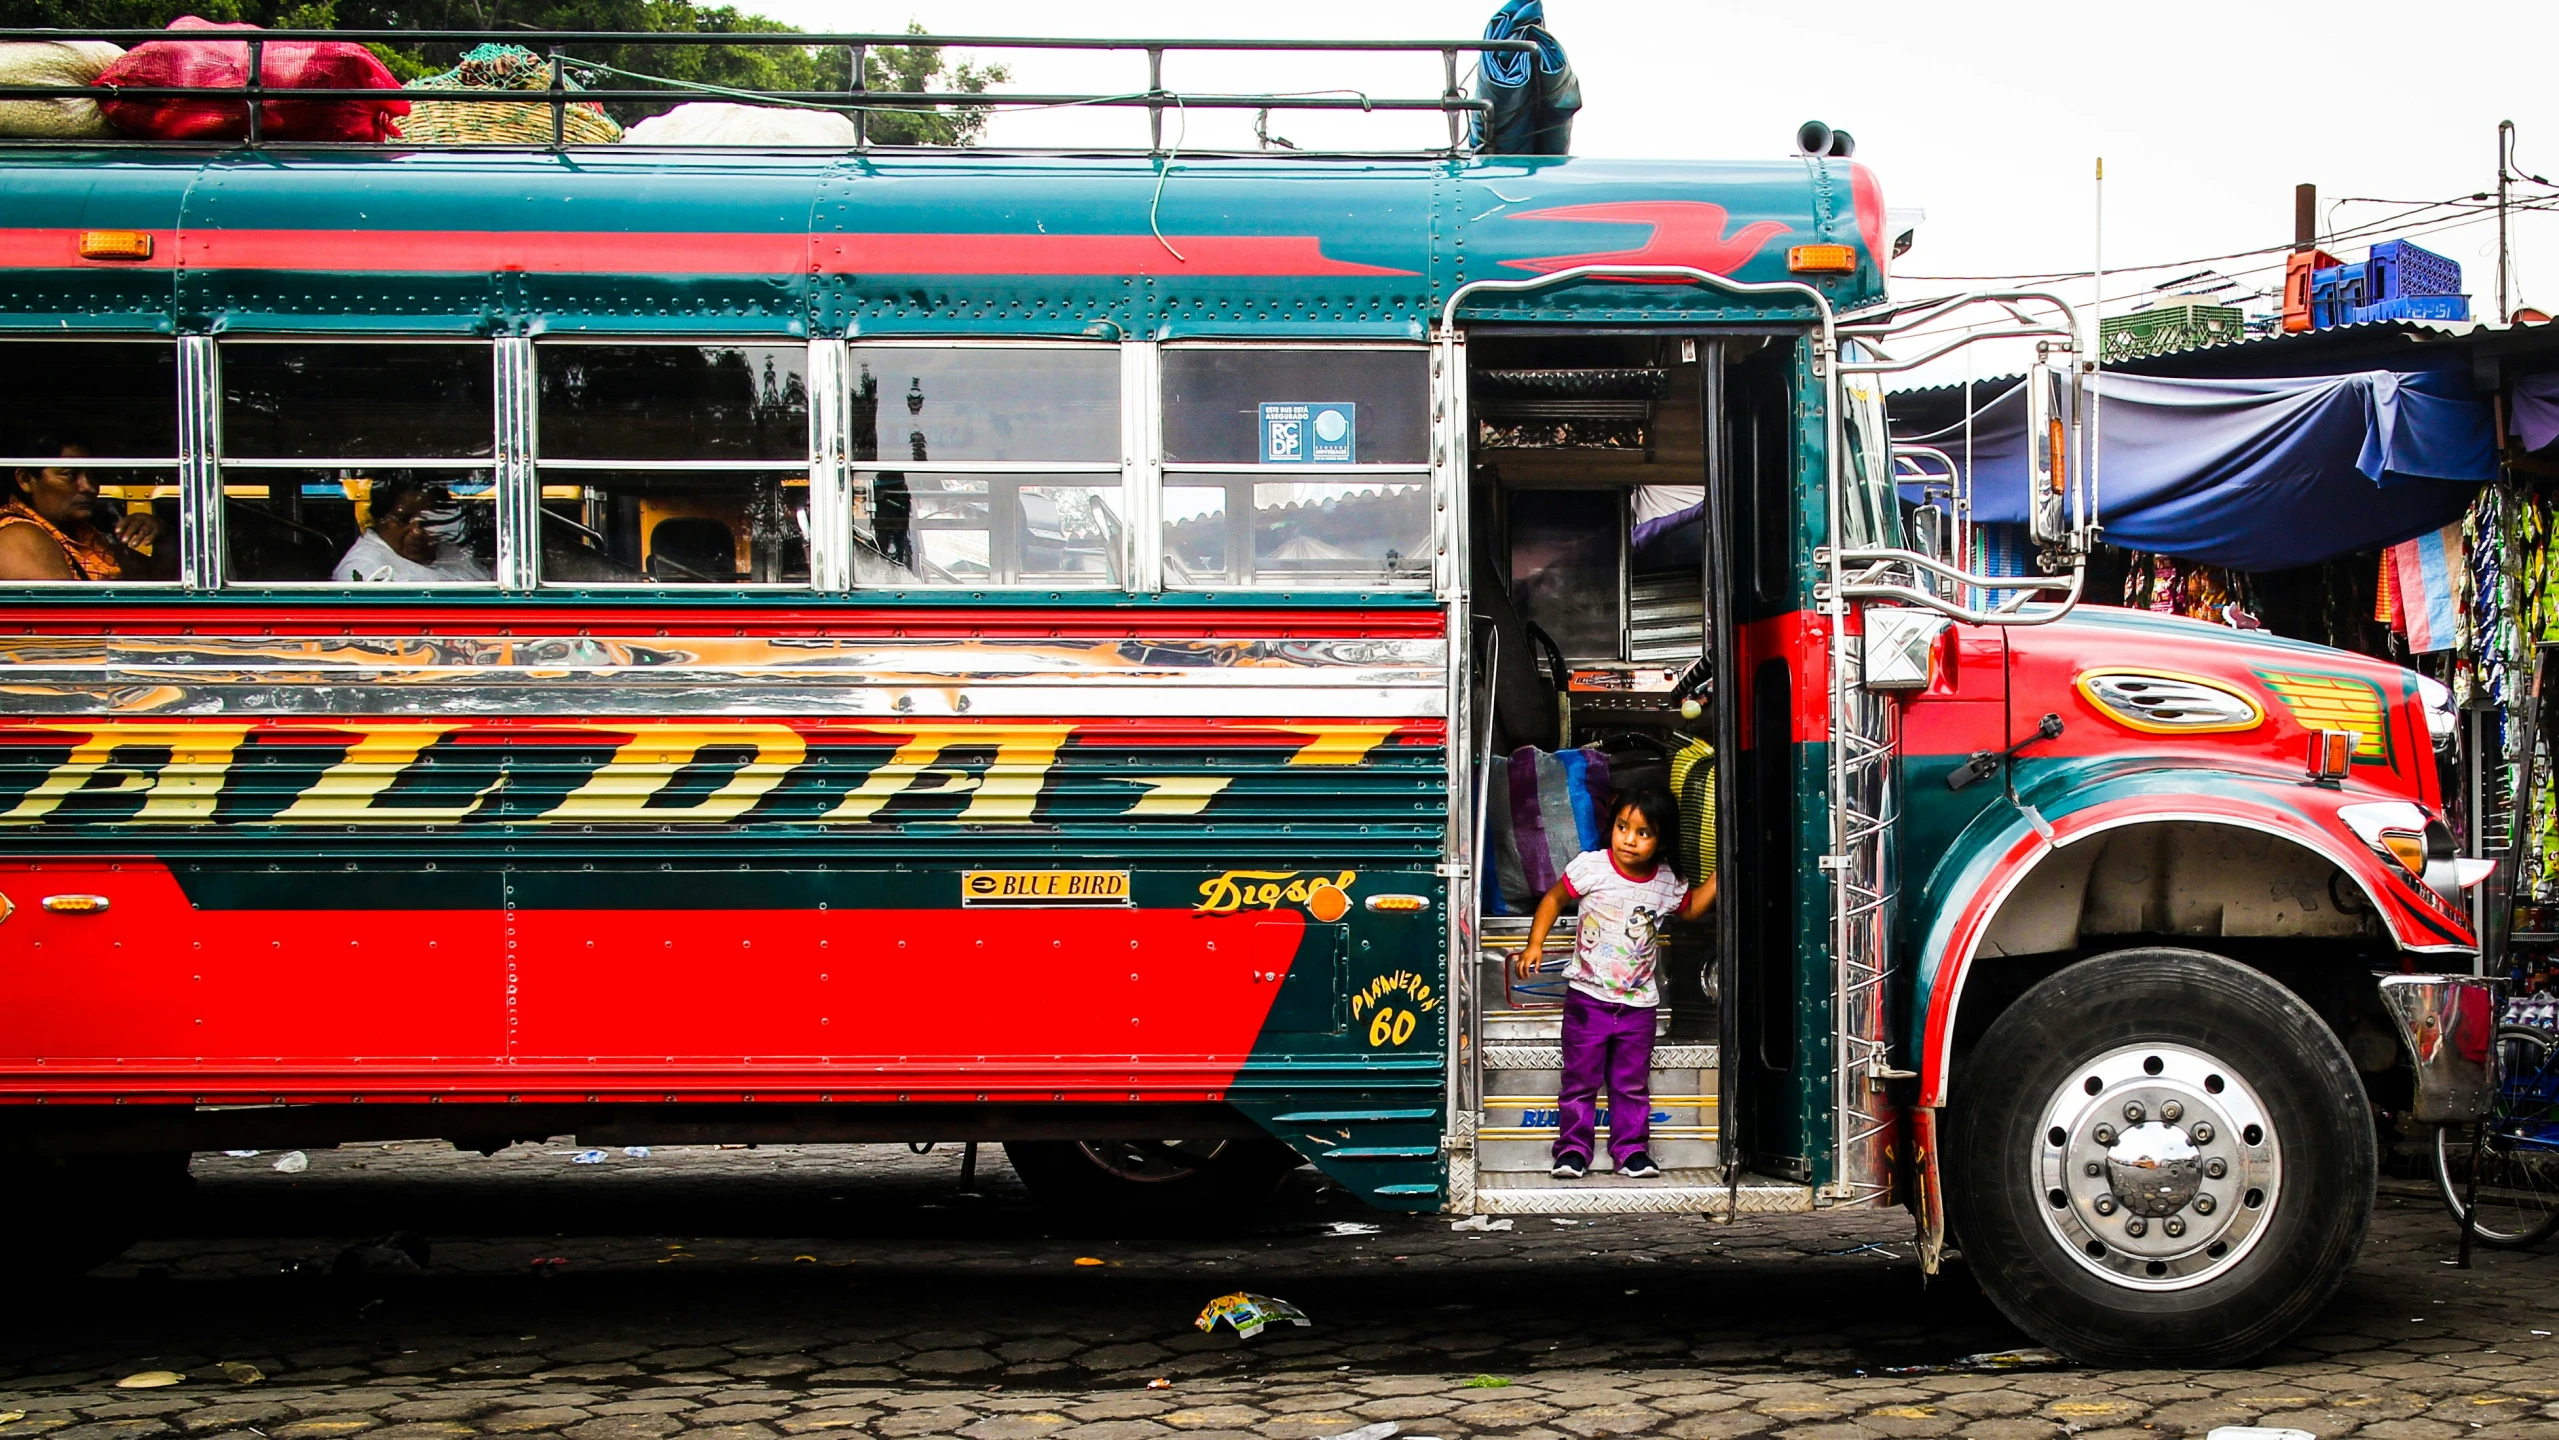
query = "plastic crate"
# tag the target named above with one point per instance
(2335, 291)
(2162, 329)
(2413, 307)
(2399, 268)
(2299, 268)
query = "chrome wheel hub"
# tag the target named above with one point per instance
(2158, 1167)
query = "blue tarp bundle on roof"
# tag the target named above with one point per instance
(2259, 474)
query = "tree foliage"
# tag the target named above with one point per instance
(721, 67)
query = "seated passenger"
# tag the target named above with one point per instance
(49, 528)
(405, 545)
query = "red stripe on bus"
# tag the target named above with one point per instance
(693, 252)
(651, 619)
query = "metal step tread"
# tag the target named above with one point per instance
(1677, 1192)
(1551, 1057)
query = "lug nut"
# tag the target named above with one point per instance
(2092, 1170)
(2203, 1133)
(2105, 1205)
(2204, 1203)
(2133, 1111)
(2172, 1112)
(2215, 1168)
(2136, 1227)
(2105, 1135)
(2174, 1226)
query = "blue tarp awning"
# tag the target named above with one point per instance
(2262, 474)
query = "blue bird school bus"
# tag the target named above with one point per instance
(1098, 652)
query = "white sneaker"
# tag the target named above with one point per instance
(1569, 1169)
(1639, 1166)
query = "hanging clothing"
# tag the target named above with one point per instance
(2428, 571)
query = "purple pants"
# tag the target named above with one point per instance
(1609, 1044)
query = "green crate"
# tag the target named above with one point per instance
(2162, 329)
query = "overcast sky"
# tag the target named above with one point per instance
(1988, 116)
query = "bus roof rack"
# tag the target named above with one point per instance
(855, 100)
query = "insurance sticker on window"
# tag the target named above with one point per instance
(1310, 432)
(1044, 887)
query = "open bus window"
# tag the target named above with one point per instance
(1039, 404)
(673, 402)
(331, 403)
(675, 527)
(947, 528)
(368, 526)
(1357, 532)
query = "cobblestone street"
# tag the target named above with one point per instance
(735, 1294)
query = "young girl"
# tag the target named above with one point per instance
(1625, 893)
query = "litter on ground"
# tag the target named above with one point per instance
(1246, 1314)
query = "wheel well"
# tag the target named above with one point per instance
(2270, 903)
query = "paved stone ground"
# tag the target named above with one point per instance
(731, 1294)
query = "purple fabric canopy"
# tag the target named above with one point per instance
(2536, 410)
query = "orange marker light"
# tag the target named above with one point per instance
(2406, 848)
(76, 904)
(1398, 904)
(1822, 259)
(115, 244)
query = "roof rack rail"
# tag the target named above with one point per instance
(855, 100)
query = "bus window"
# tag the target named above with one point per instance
(89, 442)
(673, 402)
(1237, 406)
(947, 417)
(1035, 403)
(357, 402)
(1297, 467)
(673, 464)
(1868, 511)
(358, 525)
(675, 527)
(358, 464)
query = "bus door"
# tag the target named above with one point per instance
(1592, 578)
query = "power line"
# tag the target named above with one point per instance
(2401, 224)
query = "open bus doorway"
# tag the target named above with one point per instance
(1632, 509)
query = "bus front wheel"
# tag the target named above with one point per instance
(1152, 1180)
(2157, 1157)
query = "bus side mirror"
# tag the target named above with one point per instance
(2048, 508)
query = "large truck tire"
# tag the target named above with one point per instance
(1187, 1182)
(2159, 1157)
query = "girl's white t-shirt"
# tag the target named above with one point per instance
(1619, 943)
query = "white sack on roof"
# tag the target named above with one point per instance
(714, 123)
(54, 62)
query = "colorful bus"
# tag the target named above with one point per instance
(1087, 651)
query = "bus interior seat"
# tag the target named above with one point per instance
(692, 548)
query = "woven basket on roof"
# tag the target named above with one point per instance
(499, 122)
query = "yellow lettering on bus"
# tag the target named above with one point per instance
(1178, 795)
(620, 792)
(1004, 795)
(345, 793)
(1333, 744)
(181, 791)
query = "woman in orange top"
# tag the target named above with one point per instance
(47, 531)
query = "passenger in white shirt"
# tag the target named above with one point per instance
(403, 546)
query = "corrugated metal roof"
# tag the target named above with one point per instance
(2306, 343)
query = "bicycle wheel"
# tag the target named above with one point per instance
(2518, 1197)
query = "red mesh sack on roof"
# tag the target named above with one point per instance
(284, 65)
